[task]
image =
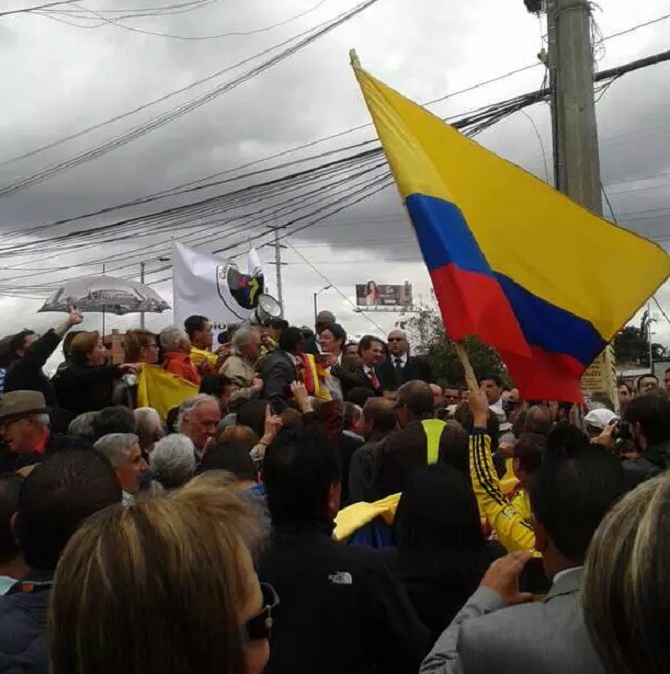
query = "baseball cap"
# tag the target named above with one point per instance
(600, 418)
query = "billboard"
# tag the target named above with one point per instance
(373, 294)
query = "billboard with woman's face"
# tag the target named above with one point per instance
(373, 294)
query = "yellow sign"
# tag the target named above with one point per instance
(600, 376)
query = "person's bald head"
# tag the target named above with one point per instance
(397, 343)
(438, 396)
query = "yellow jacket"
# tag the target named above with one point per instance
(509, 524)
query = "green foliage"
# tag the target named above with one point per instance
(631, 347)
(430, 340)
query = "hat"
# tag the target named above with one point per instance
(325, 318)
(600, 418)
(19, 404)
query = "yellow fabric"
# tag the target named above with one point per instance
(511, 213)
(511, 528)
(433, 429)
(350, 519)
(509, 480)
(200, 356)
(162, 390)
(521, 503)
(320, 391)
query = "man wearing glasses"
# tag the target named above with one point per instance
(400, 367)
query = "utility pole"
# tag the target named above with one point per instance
(571, 58)
(278, 263)
(575, 128)
(142, 315)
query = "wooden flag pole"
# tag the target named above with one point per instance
(470, 377)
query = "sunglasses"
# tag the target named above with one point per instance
(259, 627)
(396, 339)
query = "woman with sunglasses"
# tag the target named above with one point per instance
(165, 585)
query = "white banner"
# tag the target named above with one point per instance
(206, 285)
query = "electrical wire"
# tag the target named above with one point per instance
(35, 8)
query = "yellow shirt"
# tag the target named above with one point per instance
(200, 356)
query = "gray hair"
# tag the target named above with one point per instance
(83, 427)
(172, 337)
(115, 446)
(191, 404)
(172, 462)
(148, 423)
(41, 419)
(243, 336)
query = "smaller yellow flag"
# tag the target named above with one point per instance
(162, 390)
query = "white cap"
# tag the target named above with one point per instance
(600, 418)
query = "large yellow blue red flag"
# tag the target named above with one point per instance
(526, 269)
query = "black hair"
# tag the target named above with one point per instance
(652, 412)
(417, 397)
(366, 342)
(454, 448)
(621, 382)
(10, 488)
(463, 415)
(338, 332)
(57, 496)
(117, 419)
(359, 395)
(290, 339)
(195, 324)
(232, 457)
(437, 513)
(10, 345)
(383, 418)
(280, 324)
(492, 376)
(171, 419)
(573, 489)
(251, 413)
(300, 467)
(646, 376)
(530, 451)
(213, 384)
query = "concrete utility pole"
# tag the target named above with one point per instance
(142, 315)
(278, 264)
(576, 129)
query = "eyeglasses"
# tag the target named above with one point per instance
(259, 627)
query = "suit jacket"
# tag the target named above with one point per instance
(278, 373)
(414, 368)
(543, 638)
(355, 379)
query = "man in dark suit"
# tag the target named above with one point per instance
(400, 367)
(371, 350)
(280, 370)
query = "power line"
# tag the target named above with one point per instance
(36, 8)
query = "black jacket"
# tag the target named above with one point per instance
(439, 587)
(341, 609)
(415, 368)
(362, 469)
(356, 378)
(23, 627)
(654, 461)
(81, 388)
(25, 373)
(277, 374)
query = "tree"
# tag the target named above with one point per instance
(427, 333)
(631, 347)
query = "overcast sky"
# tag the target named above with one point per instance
(59, 78)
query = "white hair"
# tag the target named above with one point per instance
(41, 419)
(148, 425)
(115, 446)
(172, 462)
(191, 404)
(243, 336)
(172, 337)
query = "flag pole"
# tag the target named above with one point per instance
(470, 377)
(353, 56)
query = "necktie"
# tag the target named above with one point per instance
(398, 371)
(373, 378)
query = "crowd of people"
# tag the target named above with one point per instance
(321, 506)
